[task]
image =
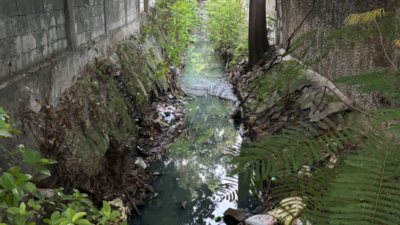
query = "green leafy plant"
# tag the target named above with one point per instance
(177, 19)
(226, 25)
(107, 216)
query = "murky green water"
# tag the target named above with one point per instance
(196, 165)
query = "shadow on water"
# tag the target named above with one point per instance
(196, 166)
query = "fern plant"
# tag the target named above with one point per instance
(299, 145)
(362, 187)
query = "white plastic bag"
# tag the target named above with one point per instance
(260, 220)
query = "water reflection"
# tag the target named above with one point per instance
(194, 167)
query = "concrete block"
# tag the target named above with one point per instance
(8, 8)
(46, 20)
(20, 25)
(36, 57)
(52, 35)
(37, 6)
(48, 5)
(34, 22)
(78, 3)
(41, 38)
(58, 4)
(24, 7)
(17, 63)
(61, 32)
(26, 60)
(87, 26)
(79, 27)
(3, 71)
(3, 29)
(3, 49)
(55, 47)
(16, 46)
(81, 39)
(47, 51)
(64, 44)
(77, 14)
(28, 42)
(60, 18)
(53, 16)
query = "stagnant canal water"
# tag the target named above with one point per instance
(195, 168)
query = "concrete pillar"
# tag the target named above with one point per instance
(106, 15)
(146, 6)
(70, 24)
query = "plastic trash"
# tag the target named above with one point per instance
(304, 171)
(298, 222)
(140, 162)
(260, 220)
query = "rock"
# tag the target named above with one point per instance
(150, 188)
(163, 126)
(235, 213)
(114, 58)
(331, 108)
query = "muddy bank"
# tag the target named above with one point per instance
(105, 130)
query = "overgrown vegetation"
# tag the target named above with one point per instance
(352, 160)
(227, 27)
(22, 203)
(177, 19)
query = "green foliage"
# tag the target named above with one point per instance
(107, 216)
(67, 209)
(163, 68)
(227, 24)
(362, 187)
(5, 130)
(287, 152)
(177, 19)
(284, 79)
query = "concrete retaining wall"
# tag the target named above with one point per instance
(34, 31)
(48, 42)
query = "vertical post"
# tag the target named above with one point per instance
(106, 4)
(146, 6)
(126, 11)
(70, 24)
(138, 8)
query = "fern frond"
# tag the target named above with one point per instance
(365, 18)
(368, 186)
(288, 152)
(378, 79)
(388, 116)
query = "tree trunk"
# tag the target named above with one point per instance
(258, 40)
